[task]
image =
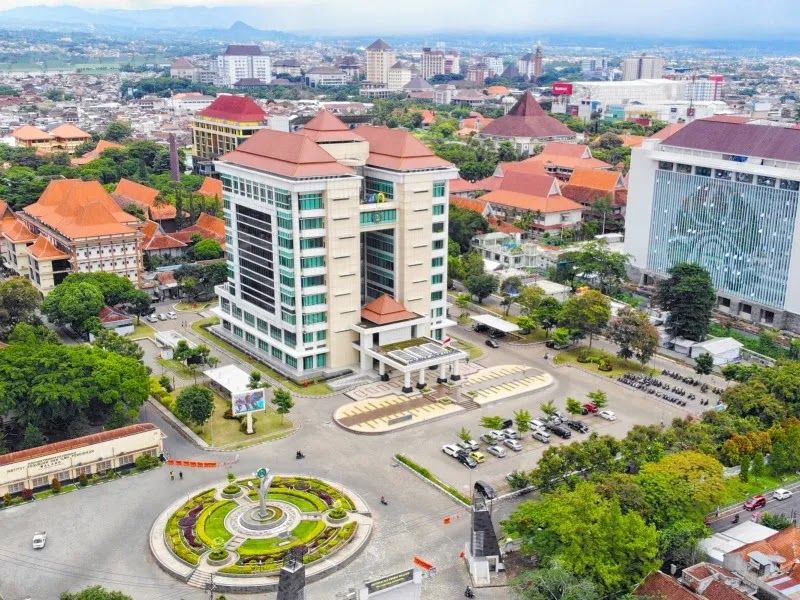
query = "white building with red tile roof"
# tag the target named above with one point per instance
(75, 226)
(322, 222)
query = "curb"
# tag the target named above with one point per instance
(433, 484)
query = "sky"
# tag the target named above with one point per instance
(731, 19)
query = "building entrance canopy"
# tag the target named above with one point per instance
(495, 323)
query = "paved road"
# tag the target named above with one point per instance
(789, 508)
(99, 535)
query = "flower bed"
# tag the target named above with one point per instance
(211, 524)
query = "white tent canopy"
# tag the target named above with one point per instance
(495, 323)
(229, 377)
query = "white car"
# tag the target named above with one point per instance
(781, 494)
(162, 317)
(608, 415)
(541, 435)
(152, 318)
(535, 424)
(497, 436)
(497, 451)
(451, 450)
(39, 539)
(510, 433)
(514, 445)
(469, 446)
(172, 314)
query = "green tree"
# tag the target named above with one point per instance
(117, 131)
(635, 335)
(549, 408)
(481, 286)
(574, 407)
(139, 302)
(33, 334)
(778, 522)
(784, 457)
(547, 313)
(33, 437)
(530, 298)
(553, 583)
(704, 364)
(463, 301)
(561, 336)
(744, 465)
(586, 314)
(521, 419)
(165, 382)
(464, 434)
(493, 423)
(464, 224)
(73, 304)
(19, 303)
(195, 403)
(518, 480)
(757, 467)
(283, 402)
(599, 398)
(702, 472)
(596, 262)
(94, 593)
(506, 301)
(113, 342)
(643, 444)
(679, 543)
(207, 250)
(689, 296)
(624, 549)
(255, 380)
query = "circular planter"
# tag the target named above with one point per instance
(229, 495)
(302, 486)
(228, 559)
(334, 520)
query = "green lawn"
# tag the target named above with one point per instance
(215, 523)
(142, 330)
(737, 490)
(193, 305)
(315, 389)
(302, 534)
(47, 493)
(619, 366)
(537, 335)
(179, 368)
(475, 352)
(219, 431)
(301, 503)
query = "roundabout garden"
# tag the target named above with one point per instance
(228, 531)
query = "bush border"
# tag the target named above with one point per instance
(433, 479)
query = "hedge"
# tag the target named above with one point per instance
(200, 528)
(432, 478)
(317, 502)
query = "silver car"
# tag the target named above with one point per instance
(39, 539)
(497, 451)
(514, 445)
(542, 436)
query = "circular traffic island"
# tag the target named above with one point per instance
(245, 544)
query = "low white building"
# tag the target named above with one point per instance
(723, 350)
(322, 76)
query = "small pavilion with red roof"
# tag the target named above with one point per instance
(388, 338)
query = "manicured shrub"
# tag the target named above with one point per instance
(83, 480)
(146, 461)
(337, 513)
(228, 414)
(26, 494)
(55, 485)
(231, 489)
(604, 365)
(7, 499)
(584, 355)
(220, 554)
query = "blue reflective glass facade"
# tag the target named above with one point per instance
(741, 232)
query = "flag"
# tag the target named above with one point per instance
(446, 341)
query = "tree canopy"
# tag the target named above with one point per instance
(689, 296)
(195, 403)
(635, 335)
(585, 314)
(19, 303)
(94, 593)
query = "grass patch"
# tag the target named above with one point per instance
(142, 330)
(304, 533)
(536, 335)
(211, 524)
(304, 504)
(433, 478)
(178, 367)
(220, 431)
(619, 366)
(47, 493)
(314, 389)
(737, 490)
(193, 305)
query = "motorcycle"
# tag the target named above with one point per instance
(299, 455)
(384, 502)
(468, 593)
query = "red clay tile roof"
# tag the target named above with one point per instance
(166, 277)
(211, 187)
(549, 204)
(102, 146)
(503, 226)
(327, 127)
(741, 119)
(385, 310)
(398, 150)
(588, 195)
(18, 232)
(207, 226)
(155, 239)
(111, 315)
(182, 63)
(462, 185)
(80, 209)
(81, 442)
(527, 119)
(234, 108)
(29, 133)
(526, 166)
(717, 590)
(660, 585)
(43, 249)
(529, 183)
(288, 154)
(69, 132)
(632, 141)
(428, 116)
(563, 149)
(474, 204)
(130, 192)
(606, 181)
(667, 131)
(785, 543)
(564, 162)
(762, 141)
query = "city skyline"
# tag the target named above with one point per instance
(714, 19)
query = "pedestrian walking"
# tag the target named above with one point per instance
(172, 475)
(180, 474)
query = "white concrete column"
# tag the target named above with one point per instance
(407, 389)
(421, 384)
(250, 422)
(456, 376)
(442, 373)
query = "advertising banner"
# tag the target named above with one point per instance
(249, 401)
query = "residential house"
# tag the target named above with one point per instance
(587, 186)
(101, 147)
(67, 137)
(182, 68)
(209, 227)
(129, 192)
(155, 242)
(29, 136)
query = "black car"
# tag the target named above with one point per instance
(466, 460)
(498, 334)
(480, 327)
(560, 431)
(578, 425)
(492, 344)
(555, 346)
(486, 490)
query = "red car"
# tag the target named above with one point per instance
(755, 502)
(591, 407)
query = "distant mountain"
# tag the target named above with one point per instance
(242, 32)
(178, 18)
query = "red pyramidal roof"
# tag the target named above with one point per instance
(527, 119)
(234, 108)
(327, 127)
(385, 310)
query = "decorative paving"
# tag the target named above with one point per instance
(242, 520)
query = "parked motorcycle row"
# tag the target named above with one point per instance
(660, 389)
(704, 387)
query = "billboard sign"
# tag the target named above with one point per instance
(562, 89)
(385, 583)
(249, 401)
